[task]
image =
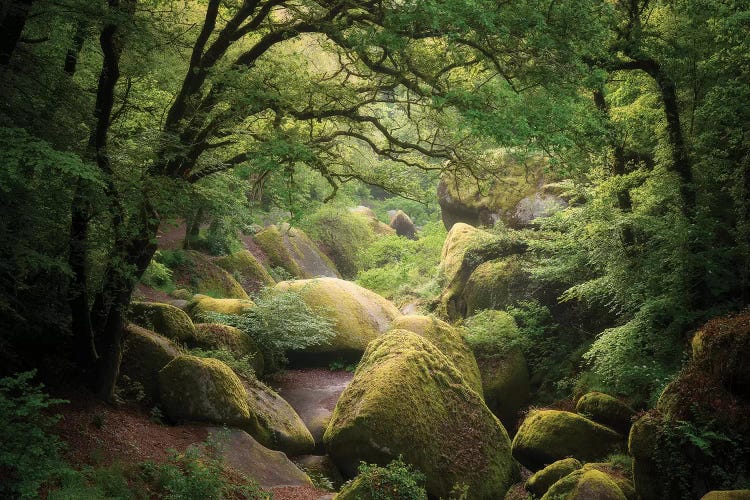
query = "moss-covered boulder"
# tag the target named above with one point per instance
(495, 285)
(585, 485)
(271, 469)
(248, 271)
(727, 495)
(164, 319)
(358, 315)
(407, 398)
(363, 486)
(540, 482)
(378, 227)
(506, 386)
(620, 474)
(403, 225)
(493, 337)
(144, 354)
(291, 249)
(463, 198)
(535, 206)
(449, 341)
(201, 305)
(549, 435)
(217, 336)
(279, 426)
(459, 239)
(341, 235)
(199, 273)
(606, 410)
(204, 390)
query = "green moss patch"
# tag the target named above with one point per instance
(164, 319)
(249, 272)
(606, 410)
(540, 482)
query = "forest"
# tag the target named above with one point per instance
(375, 249)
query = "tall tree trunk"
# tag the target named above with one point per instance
(619, 167)
(11, 27)
(71, 57)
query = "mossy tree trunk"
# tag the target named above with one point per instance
(11, 27)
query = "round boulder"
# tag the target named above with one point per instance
(218, 336)
(144, 354)
(541, 481)
(249, 272)
(549, 435)
(585, 485)
(165, 319)
(408, 399)
(201, 305)
(403, 225)
(606, 410)
(450, 343)
(358, 315)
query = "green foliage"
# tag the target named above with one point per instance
(241, 365)
(193, 475)
(30, 454)
(338, 365)
(397, 480)
(158, 275)
(280, 322)
(493, 334)
(398, 268)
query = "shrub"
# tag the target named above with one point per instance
(158, 275)
(280, 322)
(241, 365)
(29, 453)
(397, 480)
(492, 333)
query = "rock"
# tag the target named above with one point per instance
(322, 466)
(217, 336)
(358, 315)
(268, 468)
(496, 284)
(459, 239)
(201, 305)
(642, 443)
(341, 235)
(144, 354)
(249, 272)
(201, 275)
(376, 225)
(463, 198)
(541, 481)
(408, 399)
(164, 319)
(549, 435)
(360, 489)
(279, 426)
(535, 206)
(620, 476)
(403, 225)
(204, 390)
(182, 294)
(727, 495)
(585, 485)
(506, 386)
(450, 343)
(606, 410)
(291, 249)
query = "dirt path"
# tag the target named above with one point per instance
(313, 393)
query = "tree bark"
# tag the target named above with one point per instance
(71, 57)
(11, 28)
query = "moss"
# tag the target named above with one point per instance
(164, 319)
(495, 285)
(206, 390)
(585, 485)
(278, 425)
(144, 354)
(358, 315)
(376, 225)
(357, 489)
(203, 304)
(271, 242)
(620, 476)
(606, 410)
(200, 274)
(459, 239)
(251, 273)
(540, 482)
(727, 495)
(642, 443)
(291, 249)
(449, 341)
(549, 435)
(216, 336)
(408, 399)
(182, 294)
(506, 386)
(341, 235)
